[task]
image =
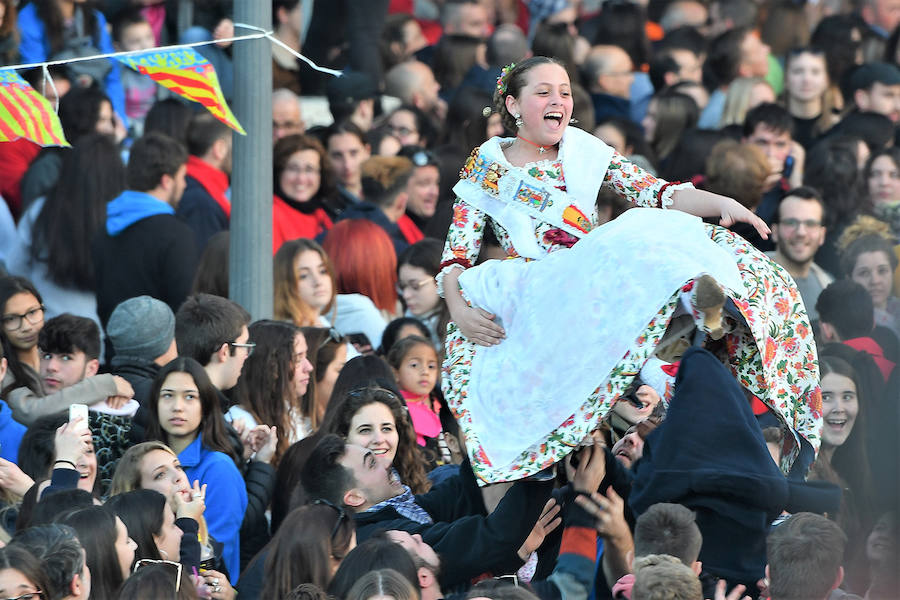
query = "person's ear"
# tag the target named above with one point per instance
(354, 497)
(828, 332)
(220, 149)
(512, 105)
(425, 577)
(221, 355)
(91, 368)
(861, 99)
(3, 366)
(76, 585)
(697, 567)
(839, 579)
(774, 233)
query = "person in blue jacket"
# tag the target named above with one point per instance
(49, 27)
(185, 415)
(11, 431)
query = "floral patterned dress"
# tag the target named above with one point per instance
(776, 360)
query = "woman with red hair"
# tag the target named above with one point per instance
(364, 264)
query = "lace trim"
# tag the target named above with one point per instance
(446, 267)
(665, 194)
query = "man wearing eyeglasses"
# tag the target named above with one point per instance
(798, 232)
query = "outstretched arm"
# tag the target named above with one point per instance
(645, 189)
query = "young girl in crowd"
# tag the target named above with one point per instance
(868, 258)
(843, 458)
(327, 351)
(304, 284)
(273, 384)
(21, 320)
(109, 550)
(423, 188)
(21, 573)
(416, 367)
(347, 149)
(377, 419)
(807, 94)
(882, 175)
(185, 415)
(417, 267)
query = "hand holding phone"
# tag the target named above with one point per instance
(79, 410)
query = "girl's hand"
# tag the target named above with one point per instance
(192, 504)
(73, 439)
(733, 212)
(478, 325)
(218, 585)
(548, 521)
(12, 479)
(264, 440)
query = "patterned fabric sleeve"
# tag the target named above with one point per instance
(463, 240)
(639, 186)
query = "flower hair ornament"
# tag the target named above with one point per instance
(503, 80)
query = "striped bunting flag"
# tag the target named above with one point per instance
(24, 113)
(188, 74)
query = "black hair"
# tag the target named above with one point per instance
(68, 333)
(875, 129)
(724, 56)
(847, 306)
(204, 322)
(143, 512)
(624, 24)
(124, 20)
(97, 532)
(91, 175)
(772, 116)
(212, 432)
(79, 111)
(151, 157)
(806, 193)
(21, 374)
(832, 168)
(203, 131)
(169, 116)
(38, 447)
(16, 556)
(323, 476)
(373, 554)
(50, 15)
(54, 503)
(389, 337)
(211, 276)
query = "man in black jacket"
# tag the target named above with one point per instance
(451, 518)
(144, 248)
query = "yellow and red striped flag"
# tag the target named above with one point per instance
(24, 113)
(187, 74)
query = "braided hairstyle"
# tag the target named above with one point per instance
(511, 82)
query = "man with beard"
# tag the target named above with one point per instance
(144, 248)
(205, 206)
(798, 232)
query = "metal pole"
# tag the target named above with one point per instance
(250, 264)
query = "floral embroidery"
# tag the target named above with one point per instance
(776, 360)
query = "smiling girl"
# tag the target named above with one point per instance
(185, 415)
(376, 419)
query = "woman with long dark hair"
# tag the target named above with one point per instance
(273, 384)
(184, 413)
(308, 549)
(54, 245)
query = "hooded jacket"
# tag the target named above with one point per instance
(144, 249)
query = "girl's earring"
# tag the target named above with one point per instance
(519, 121)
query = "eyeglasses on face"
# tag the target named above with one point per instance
(249, 346)
(35, 595)
(12, 322)
(796, 223)
(170, 563)
(414, 285)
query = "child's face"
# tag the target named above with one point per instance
(418, 371)
(137, 37)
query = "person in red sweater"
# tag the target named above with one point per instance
(302, 177)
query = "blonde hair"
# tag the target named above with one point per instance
(738, 171)
(127, 476)
(737, 100)
(664, 577)
(289, 306)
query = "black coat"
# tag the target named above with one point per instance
(155, 256)
(201, 212)
(469, 541)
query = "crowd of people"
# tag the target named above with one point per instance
(724, 399)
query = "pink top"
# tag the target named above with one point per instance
(425, 421)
